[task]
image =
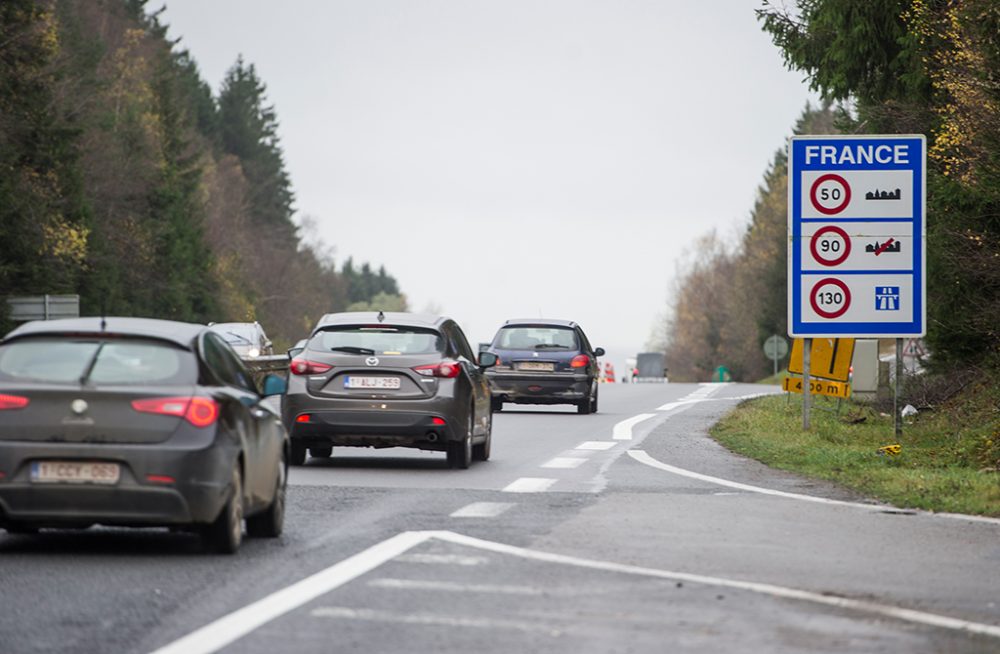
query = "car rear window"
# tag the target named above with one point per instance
(100, 361)
(536, 338)
(382, 339)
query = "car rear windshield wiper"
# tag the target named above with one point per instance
(350, 349)
(241, 337)
(90, 364)
(551, 346)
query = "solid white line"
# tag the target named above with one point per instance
(623, 430)
(642, 457)
(230, 628)
(482, 510)
(529, 485)
(909, 615)
(595, 445)
(423, 619)
(453, 587)
(564, 462)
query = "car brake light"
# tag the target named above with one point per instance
(580, 361)
(12, 402)
(307, 367)
(199, 411)
(438, 422)
(160, 479)
(446, 369)
(305, 417)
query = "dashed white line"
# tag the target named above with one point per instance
(453, 587)
(596, 445)
(564, 462)
(482, 510)
(529, 485)
(623, 430)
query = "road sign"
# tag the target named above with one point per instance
(818, 387)
(775, 347)
(829, 358)
(44, 307)
(857, 234)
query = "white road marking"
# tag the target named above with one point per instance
(529, 485)
(909, 615)
(443, 559)
(596, 445)
(227, 629)
(642, 457)
(452, 587)
(482, 510)
(700, 395)
(423, 619)
(230, 628)
(623, 430)
(564, 462)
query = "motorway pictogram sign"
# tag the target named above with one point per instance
(856, 227)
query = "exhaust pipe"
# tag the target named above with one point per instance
(431, 436)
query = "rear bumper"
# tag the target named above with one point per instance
(539, 388)
(374, 428)
(201, 486)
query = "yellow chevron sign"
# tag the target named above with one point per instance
(829, 358)
(818, 387)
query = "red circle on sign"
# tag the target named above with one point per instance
(839, 232)
(830, 177)
(830, 314)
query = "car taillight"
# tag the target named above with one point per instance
(580, 361)
(447, 369)
(199, 411)
(307, 367)
(12, 402)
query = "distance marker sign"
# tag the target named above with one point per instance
(856, 236)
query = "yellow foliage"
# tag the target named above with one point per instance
(65, 241)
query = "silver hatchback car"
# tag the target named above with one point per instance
(389, 380)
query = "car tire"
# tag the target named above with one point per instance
(460, 452)
(481, 451)
(496, 405)
(270, 522)
(298, 454)
(593, 402)
(225, 534)
(323, 452)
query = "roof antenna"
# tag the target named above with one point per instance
(381, 317)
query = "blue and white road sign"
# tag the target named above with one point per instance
(856, 236)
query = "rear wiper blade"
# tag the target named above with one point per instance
(350, 349)
(90, 364)
(547, 346)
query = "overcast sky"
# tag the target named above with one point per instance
(515, 158)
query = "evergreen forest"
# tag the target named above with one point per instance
(125, 179)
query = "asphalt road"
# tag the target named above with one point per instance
(625, 531)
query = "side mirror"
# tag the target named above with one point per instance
(487, 359)
(274, 385)
(294, 352)
(599, 352)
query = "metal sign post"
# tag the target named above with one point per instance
(856, 238)
(806, 383)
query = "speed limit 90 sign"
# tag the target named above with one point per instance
(857, 233)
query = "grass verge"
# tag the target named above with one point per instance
(949, 460)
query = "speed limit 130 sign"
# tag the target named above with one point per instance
(856, 236)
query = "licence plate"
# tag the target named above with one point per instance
(372, 382)
(74, 472)
(536, 365)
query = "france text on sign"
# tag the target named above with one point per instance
(829, 358)
(818, 387)
(857, 229)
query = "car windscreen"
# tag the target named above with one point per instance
(536, 338)
(236, 334)
(57, 360)
(382, 339)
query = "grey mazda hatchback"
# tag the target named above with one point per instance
(140, 423)
(389, 380)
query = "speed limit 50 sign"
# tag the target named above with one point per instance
(856, 236)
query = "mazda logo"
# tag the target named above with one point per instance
(371, 361)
